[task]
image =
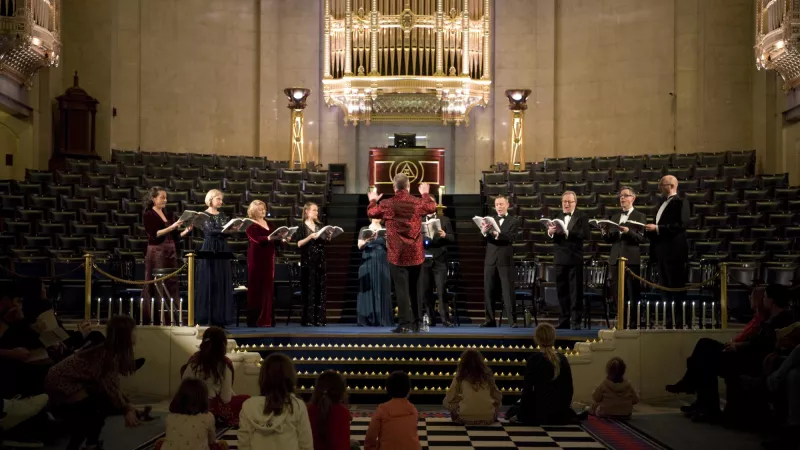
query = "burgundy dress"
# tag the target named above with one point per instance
(161, 253)
(260, 276)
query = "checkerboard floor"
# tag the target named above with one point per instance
(442, 434)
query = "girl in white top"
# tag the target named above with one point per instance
(189, 424)
(277, 419)
(473, 397)
(211, 366)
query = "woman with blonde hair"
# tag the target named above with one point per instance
(312, 266)
(260, 267)
(214, 286)
(547, 389)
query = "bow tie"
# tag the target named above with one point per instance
(567, 214)
(625, 213)
(503, 216)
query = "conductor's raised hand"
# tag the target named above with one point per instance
(424, 188)
(374, 196)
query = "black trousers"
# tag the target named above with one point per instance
(85, 419)
(569, 288)
(672, 274)
(491, 273)
(406, 281)
(437, 270)
(632, 288)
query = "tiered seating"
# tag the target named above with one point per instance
(736, 215)
(96, 206)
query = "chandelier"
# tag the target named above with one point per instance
(400, 60)
(778, 39)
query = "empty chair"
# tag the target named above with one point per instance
(127, 181)
(716, 221)
(749, 220)
(549, 188)
(491, 190)
(741, 157)
(235, 186)
(180, 184)
(83, 229)
(784, 274)
(78, 166)
(697, 197)
(208, 184)
(254, 162)
(755, 194)
(791, 232)
(62, 216)
(114, 193)
(265, 197)
(790, 193)
(276, 222)
(494, 177)
(774, 181)
(88, 191)
(322, 177)
(198, 160)
(103, 168)
(731, 171)
(121, 218)
(597, 175)
(135, 243)
(134, 170)
(198, 195)
(608, 199)
(18, 227)
(132, 205)
(154, 181)
(67, 178)
(706, 171)
(591, 210)
(633, 162)
(187, 172)
(265, 174)
(570, 176)
(580, 164)
(104, 243)
(712, 159)
(234, 197)
(275, 210)
(28, 188)
(261, 186)
(523, 189)
(117, 231)
(39, 176)
(648, 210)
(658, 161)
(105, 205)
(152, 158)
(74, 203)
(684, 159)
(545, 177)
(578, 188)
(193, 206)
(71, 242)
(292, 175)
(206, 172)
(603, 187)
(233, 162)
(776, 245)
(711, 184)
(42, 201)
(707, 247)
(98, 180)
(551, 200)
(526, 200)
(725, 196)
(532, 212)
(556, 164)
(650, 174)
(585, 200)
(178, 196)
(681, 173)
(736, 208)
(315, 188)
(177, 159)
(237, 174)
(742, 246)
(698, 234)
(776, 219)
(793, 205)
(765, 206)
(523, 176)
(626, 174)
(763, 232)
(59, 190)
(319, 199)
(740, 183)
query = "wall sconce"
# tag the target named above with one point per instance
(517, 103)
(297, 103)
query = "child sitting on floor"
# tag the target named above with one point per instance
(394, 425)
(328, 413)
(614, 397)
(473, 397)
(189, 424)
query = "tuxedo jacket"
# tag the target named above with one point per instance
(437, 247)
(626, 244)
(669, 243)
(569, 249)
(500, 249)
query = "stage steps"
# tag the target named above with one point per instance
(366, 358)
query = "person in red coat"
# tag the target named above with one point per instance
(328, 413)
(403, 215)
(260, 268)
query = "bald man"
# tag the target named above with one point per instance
(669, 250)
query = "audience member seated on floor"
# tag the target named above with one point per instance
(277, 419)
(329, 415)
(711, 359)
(784, 388)
(24, 359)
(473, 397)
(17, 421)
(547, 388)
(212, 366)
(394, 425)
(614, 397)
(84, 388)
(190, 425)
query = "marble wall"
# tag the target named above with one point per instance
(608, 77)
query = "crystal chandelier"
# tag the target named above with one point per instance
(394, 60)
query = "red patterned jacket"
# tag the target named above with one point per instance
(403, 216)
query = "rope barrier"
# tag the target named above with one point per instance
(30, 277)
(139, 283)
(688, 287)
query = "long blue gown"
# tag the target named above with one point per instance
(213, 282)
(374, 293)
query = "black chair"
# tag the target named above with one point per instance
(207, 185)
(152, 158)
(738, 247)
(265, 174)
(780, 273)
(729, 233)
(190, 172)
(121, 218)
(581, 164)
(160, 171)
(117, 231)
(635, 163)
(71, 242)
(522, 176)
(198, 160)
(105, 205)
(78, 166)
(291, 175)
(684, 159)
(744, 183)
(549, 188)
(763, 232)
(626, 174)
(570, 176)
(287, 286)
(151, 182)
(596, 286)
(254, 162)
(265, 197)
(651, 174)
(319, 199)
(606, 162)
(315, 188)
(733, 208)
(789, 193)
(238, 174)
(68, 179)
(42, 202)
(526, 200)
(235, 186)
(57, 190)
(128, 181)
(37, 241)
(206, 172)
(39, 176)
(93, 217)
(317, 177)
(597, 176)
(233, 162)
(62, 216)
(556, 164)
(28, 189)
(545, 177)
(47, 228)
(774, 181)
(580, 188)
(523, 189)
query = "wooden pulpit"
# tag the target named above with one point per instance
(419, 164)
(75, 126)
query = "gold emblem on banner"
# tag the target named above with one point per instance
(409, 169)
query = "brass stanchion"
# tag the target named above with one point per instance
(723, 295)
(621, 293)
(190, 296)
(87, 271)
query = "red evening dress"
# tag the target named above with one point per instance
(260, 277)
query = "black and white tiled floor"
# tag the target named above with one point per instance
(442, 434)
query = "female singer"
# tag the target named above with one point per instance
(260, 267)
(374, 292)
(162, 234)
(312, 266)
(214, 284)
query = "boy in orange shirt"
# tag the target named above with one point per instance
(394, 425)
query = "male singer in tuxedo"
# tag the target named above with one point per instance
(499, 262)
(402, 214)
(569, 260)
(436, 265)
(625, 243)
(669, 249)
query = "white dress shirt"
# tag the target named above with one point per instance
(661, 210)
(623, 217)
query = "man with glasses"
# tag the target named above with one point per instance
(625, 243)
(569, 260)
(669, 250)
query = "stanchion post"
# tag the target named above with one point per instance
(621, 293)
(723, 295)
(87, 272)
(190, 294)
